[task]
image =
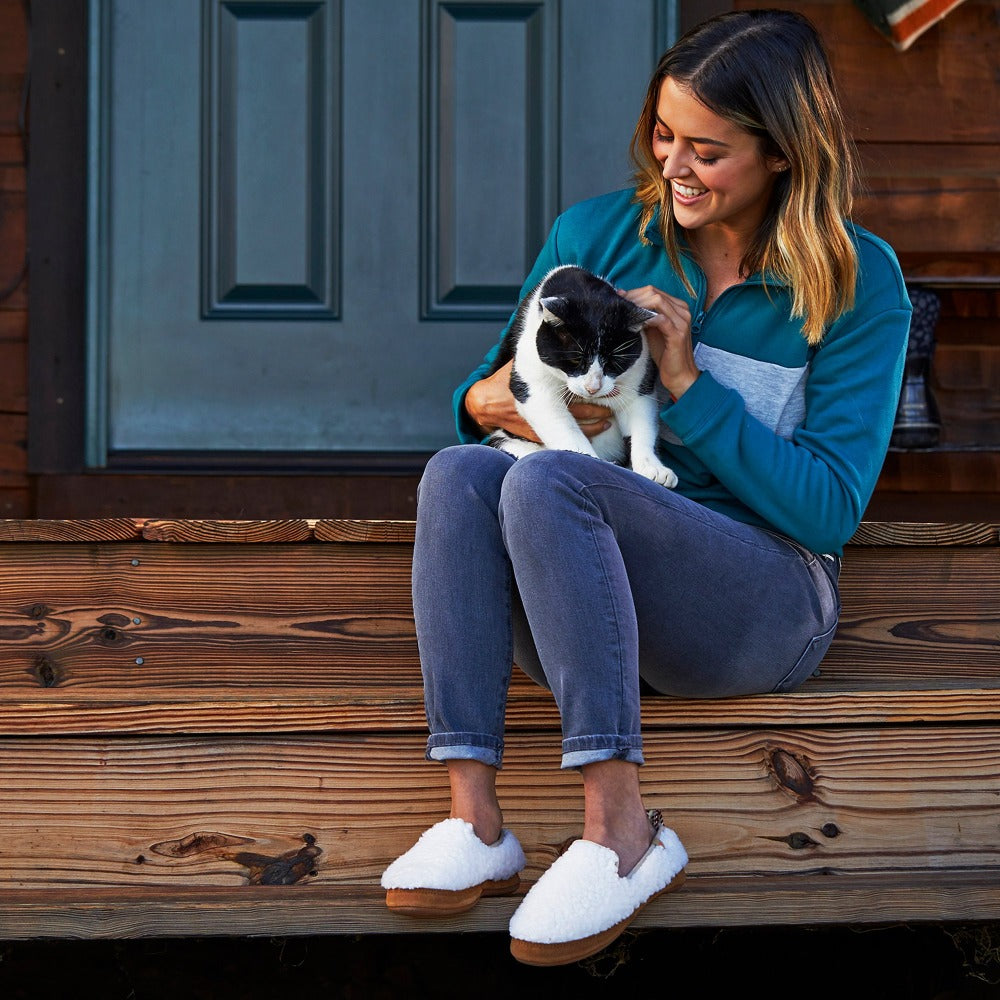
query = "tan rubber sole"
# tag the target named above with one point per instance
(565, 952)
(446, 902)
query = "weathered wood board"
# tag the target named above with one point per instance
(217, 728)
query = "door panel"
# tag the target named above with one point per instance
(308, 220)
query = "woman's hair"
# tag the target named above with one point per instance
(767, 72)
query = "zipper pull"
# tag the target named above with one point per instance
(696, 324)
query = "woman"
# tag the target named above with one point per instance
(780, 335)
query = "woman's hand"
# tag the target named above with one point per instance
(669, 336)
(491, 404)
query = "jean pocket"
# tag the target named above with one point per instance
(807, 662)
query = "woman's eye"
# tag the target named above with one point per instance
(662, 136)
(703, 161)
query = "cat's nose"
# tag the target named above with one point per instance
(593, 384)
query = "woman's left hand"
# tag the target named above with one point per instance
(669, 336)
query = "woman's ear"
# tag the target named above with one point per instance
(778, 164)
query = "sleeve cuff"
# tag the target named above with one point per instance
(695, 409)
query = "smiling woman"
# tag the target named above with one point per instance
(778, 331)
(759, 160)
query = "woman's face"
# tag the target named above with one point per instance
(717, 172)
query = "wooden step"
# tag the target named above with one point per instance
(216, 727)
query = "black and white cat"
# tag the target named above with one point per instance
(574, 338)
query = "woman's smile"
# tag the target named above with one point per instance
(687, 194)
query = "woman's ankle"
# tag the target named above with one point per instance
(487, 827)
(474, 798)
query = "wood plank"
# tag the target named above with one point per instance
(15, 501)
(13, 451)
(242, 531)
(924, 533)
(147, 637)
(704, 901)
(918, 213)
(924, 159)
(529, 709)
(930, 506)
(13, 247)
(11, 157)
(313, 810)
(942, 471)
(14, 325)
(99, 530)
(355, 530)
(13, 376)
(13, 36)
(177, 495)
(953, 272)
(966, 385)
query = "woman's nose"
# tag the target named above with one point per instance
(674, 166)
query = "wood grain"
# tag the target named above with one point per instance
(942, 471)
(347, 530)
(108, 529)
(704, 901)
(924, 533)
(152, 637)
(241, 531)
(173, 812)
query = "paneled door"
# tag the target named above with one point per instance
(308, 219)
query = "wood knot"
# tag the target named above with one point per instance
(108, 635)
(830, 830)
(285, 869)
(796, 841)
(198, 843)
(791, 773)
(45, 672)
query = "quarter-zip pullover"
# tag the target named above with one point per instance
(774, 432)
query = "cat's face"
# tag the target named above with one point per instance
(592, 339)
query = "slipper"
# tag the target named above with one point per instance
(581, 904)
(449, 868)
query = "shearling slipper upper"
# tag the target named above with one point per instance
(573, 908)
(450, 856)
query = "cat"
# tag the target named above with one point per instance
(575, 339)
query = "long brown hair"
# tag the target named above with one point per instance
(767, 72)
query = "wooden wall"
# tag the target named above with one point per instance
(928, 121)
(15, 493)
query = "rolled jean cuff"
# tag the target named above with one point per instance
(581, 750)
(465, 746)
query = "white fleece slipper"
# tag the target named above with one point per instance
(449, 868)
(581, 904)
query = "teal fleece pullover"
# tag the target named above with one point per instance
(774, 432)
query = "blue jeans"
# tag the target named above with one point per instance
(598, 583)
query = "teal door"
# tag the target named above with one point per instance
(308, 219)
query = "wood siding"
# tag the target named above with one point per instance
(15, 494)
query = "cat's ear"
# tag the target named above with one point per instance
(552, 306)
(640, 317)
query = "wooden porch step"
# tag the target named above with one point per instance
(217, 727)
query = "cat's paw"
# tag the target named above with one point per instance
(652, 468)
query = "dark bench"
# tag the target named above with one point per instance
(216, 728)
